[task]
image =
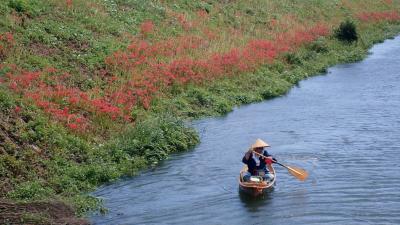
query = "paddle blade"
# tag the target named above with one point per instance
(298, 173)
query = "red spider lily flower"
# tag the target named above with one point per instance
(128, 118)
(10, 38)
(74, 100)
(146, 28)
(7, 38)
(17, 109)
(73, 126)
(202, 14)
(50, 70)
(68, 3)
(79, 120)
(186, 25)
(379, 16)
(13, 85)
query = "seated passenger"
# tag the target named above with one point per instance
(257, 165)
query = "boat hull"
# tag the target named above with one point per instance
(256, 188)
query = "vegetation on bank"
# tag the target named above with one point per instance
(91, 91)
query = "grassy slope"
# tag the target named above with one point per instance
(40, 159)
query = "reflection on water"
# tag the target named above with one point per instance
(255, 204)
(343, 128)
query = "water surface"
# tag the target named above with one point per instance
(342, 127)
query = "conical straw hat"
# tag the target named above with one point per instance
(259, 144)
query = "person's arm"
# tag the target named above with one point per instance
(246, 156)
(269, 156)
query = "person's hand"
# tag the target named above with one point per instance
(268, 160)
(250, 150)
(274, 160)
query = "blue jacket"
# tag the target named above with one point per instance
(251, 163)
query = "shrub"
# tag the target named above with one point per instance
(347, 31)
(30, 190)
(6, 101)
(293, 58)
(11, 167)
(319, 46)
(27, 7)
(200, 97)
(84, 203)
(203, 5)
(19, 5)
(155, 138)
(223, 107)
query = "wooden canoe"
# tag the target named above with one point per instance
(256, 188)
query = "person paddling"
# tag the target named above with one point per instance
(257, 165)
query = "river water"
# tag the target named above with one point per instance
(342, 127)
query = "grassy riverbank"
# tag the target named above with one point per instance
(91, 91)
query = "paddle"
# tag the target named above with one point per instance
(295, 171)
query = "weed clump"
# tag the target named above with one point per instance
(347, 31)
(27, 7)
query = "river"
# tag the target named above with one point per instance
(342, 127)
